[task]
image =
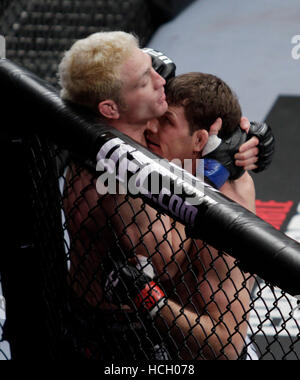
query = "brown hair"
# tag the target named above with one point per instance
(205, 97)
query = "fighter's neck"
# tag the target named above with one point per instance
(135, 131)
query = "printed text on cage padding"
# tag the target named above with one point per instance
(134, 169)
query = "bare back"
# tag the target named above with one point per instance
(118, 225)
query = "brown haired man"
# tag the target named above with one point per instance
(206, 314)
(194, 100)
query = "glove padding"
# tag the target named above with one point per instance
(215, 174)
(266, 144)
(128, 285)
(219, 162)
(163, 65)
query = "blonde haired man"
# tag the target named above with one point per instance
(89, 72)
(98, 233)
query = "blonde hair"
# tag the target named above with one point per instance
(89, 72)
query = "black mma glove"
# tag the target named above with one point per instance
(219, 162)
(125, 284)
(163, 65)
(266, 144)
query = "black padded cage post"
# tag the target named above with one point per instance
(35, 258)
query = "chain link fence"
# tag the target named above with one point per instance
(211, 309)
(38, 32)
(261, 321)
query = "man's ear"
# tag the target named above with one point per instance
(109, 109)
(200, 138)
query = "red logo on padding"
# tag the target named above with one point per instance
(275, 213)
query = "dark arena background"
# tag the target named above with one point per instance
(49, 308)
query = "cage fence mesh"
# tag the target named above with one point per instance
(37, 32)
(211, 309)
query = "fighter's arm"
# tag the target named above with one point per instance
(127, 226)
(241, 191)
(216, 319)
(212, 323)
(217, 329)
(141, 230)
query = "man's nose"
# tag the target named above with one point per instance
(158, 80)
